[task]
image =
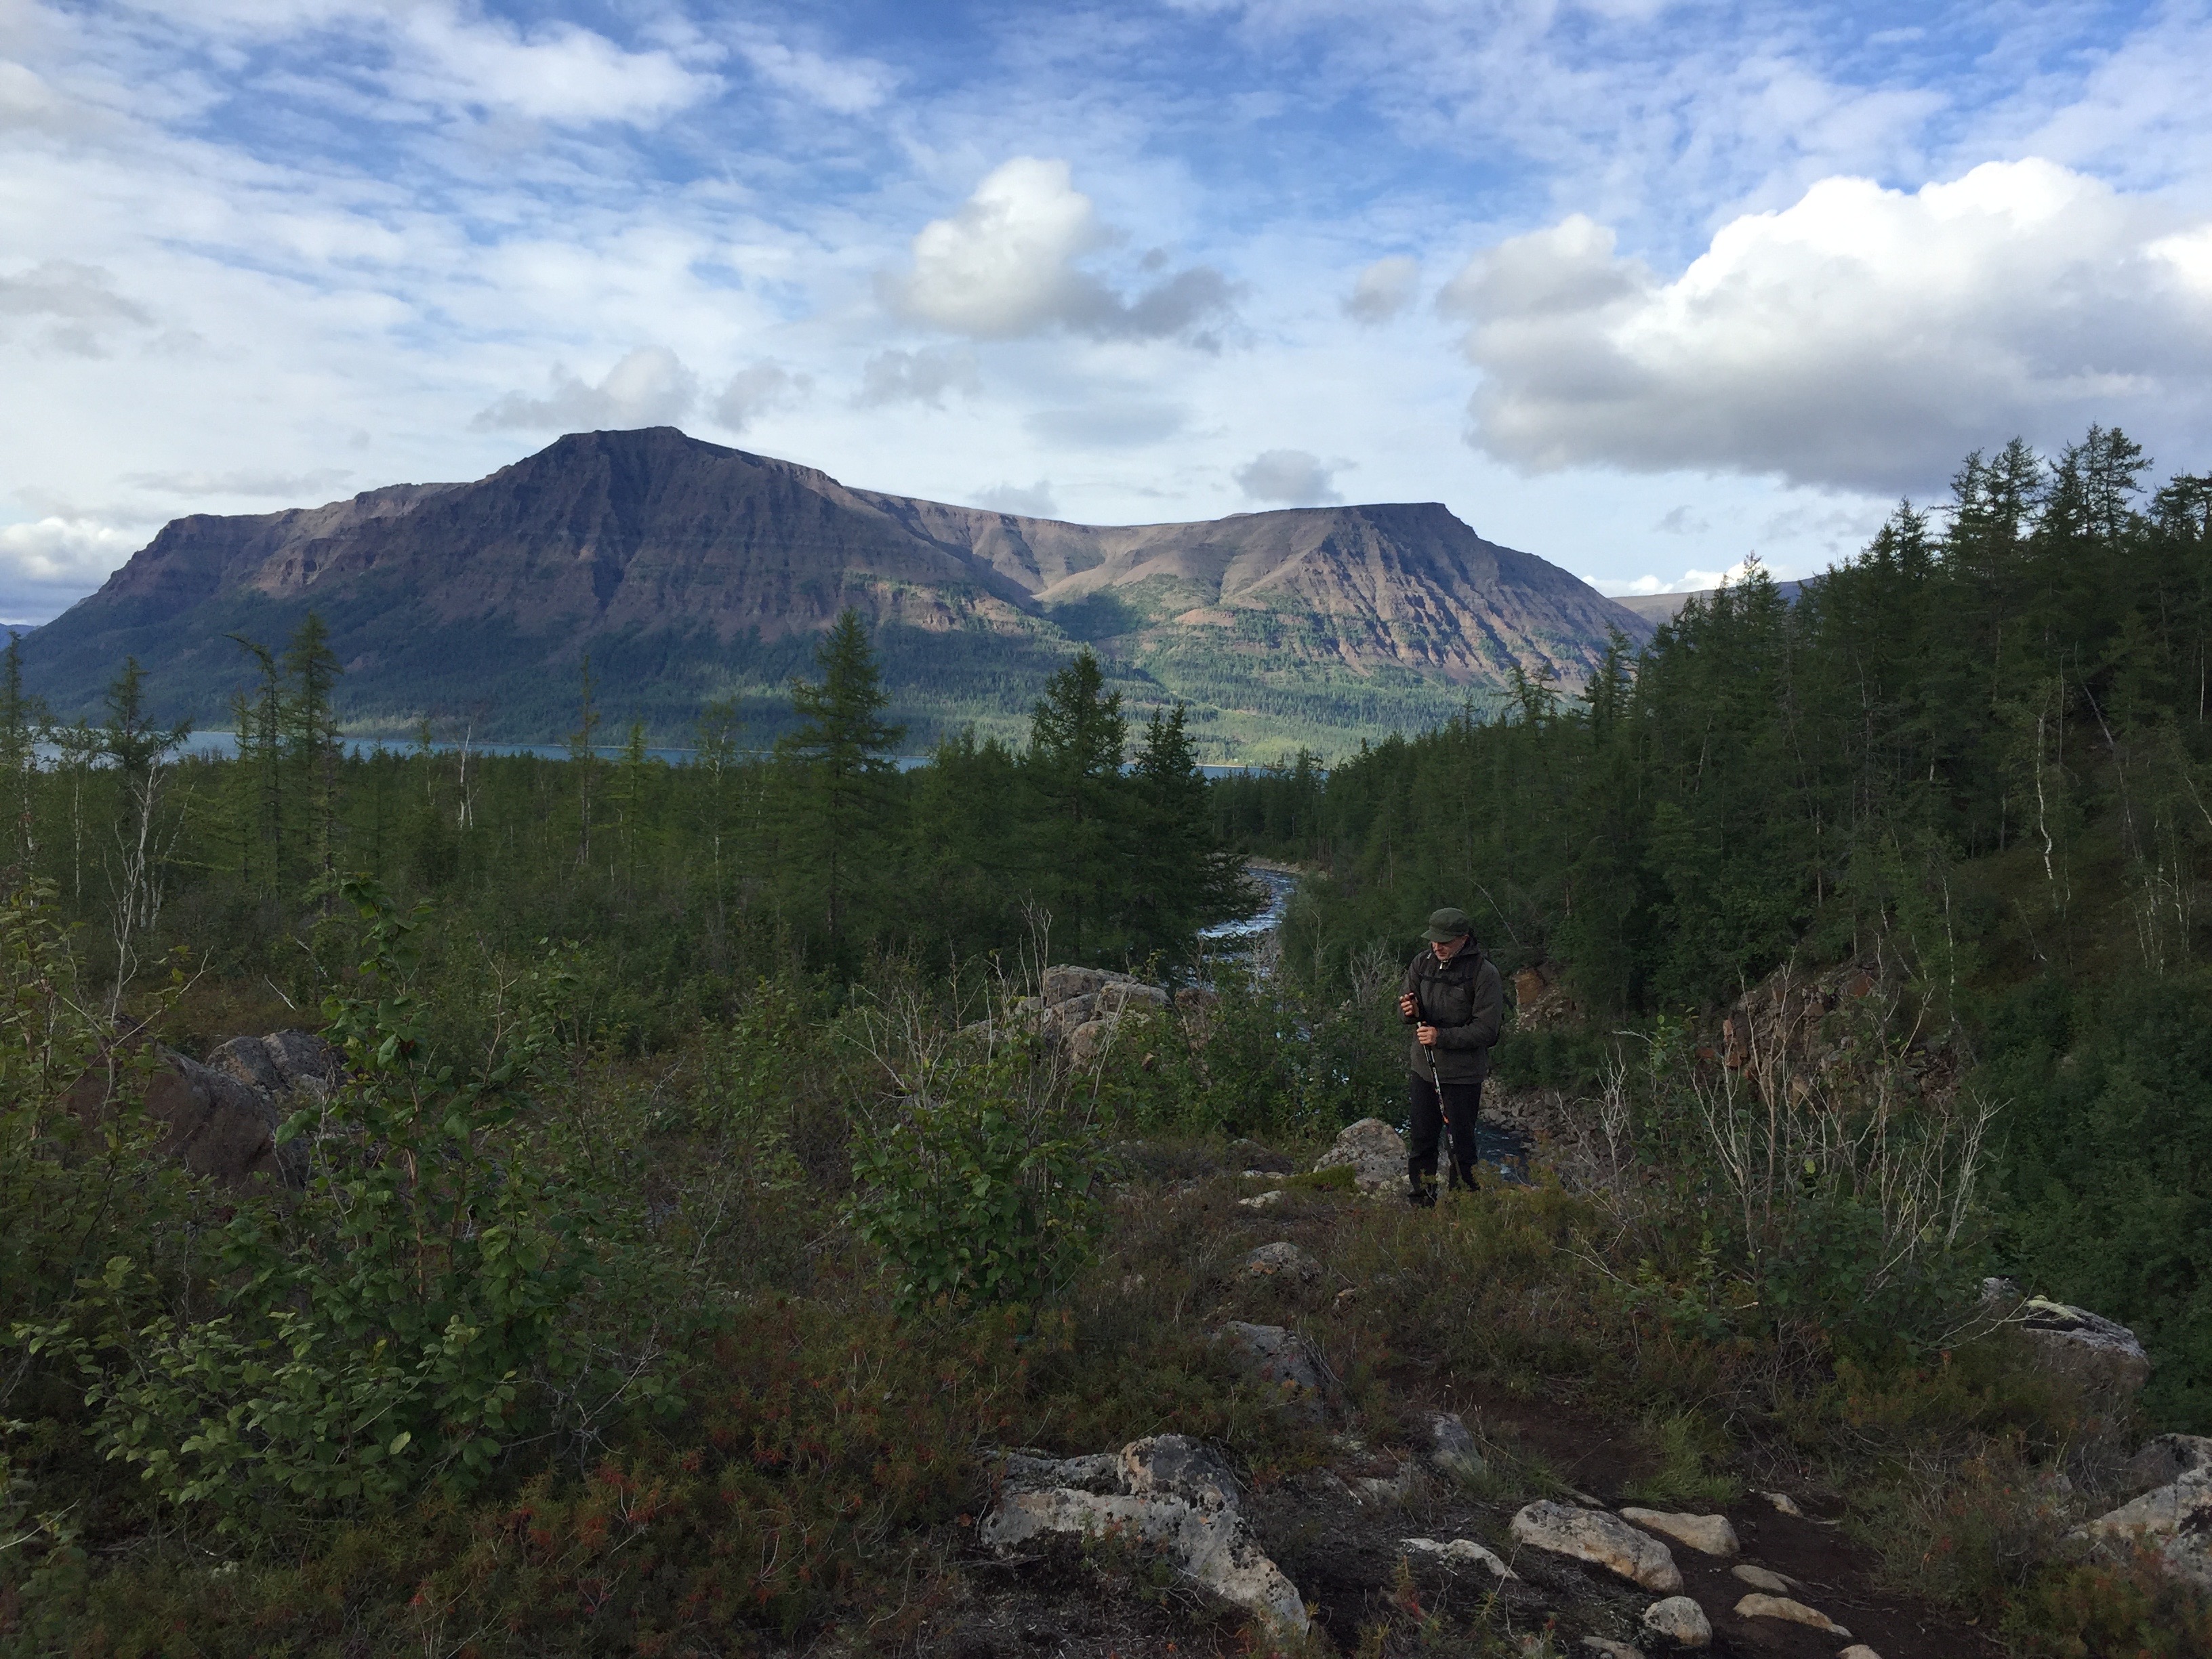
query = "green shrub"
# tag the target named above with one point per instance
(384, 1331)
(979, 1192)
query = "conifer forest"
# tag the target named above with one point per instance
(701, 1205)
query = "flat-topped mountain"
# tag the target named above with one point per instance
(687, 570)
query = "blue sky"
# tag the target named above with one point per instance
(1641, 288)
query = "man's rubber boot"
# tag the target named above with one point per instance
(1423, 1193)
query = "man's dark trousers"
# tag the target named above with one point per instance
(1430, 1118)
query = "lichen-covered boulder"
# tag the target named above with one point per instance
(1168, 1493)
(1282, 1261)
(1602, 1539)
(2101, 1357)
(2175, 1519)
(1679, 1620)
(1375, 1154)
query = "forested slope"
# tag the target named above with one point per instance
(1983, 751)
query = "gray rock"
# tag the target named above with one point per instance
(217, 1124)
(1174, 1495)
(1384, 1491)
(1266, 1200)
(1679, 1620)
(2099, 1356)
(1858, 1650)
(1602, 1539)
(1284, 1361)
(1606, 1649)
(1762, 1578)
(1459, 1552)
(1375, 1153)
(1795, 1613)
(1284, 1261)
(2175, 1519)
(1096, 1472)
(1176, 1466)
(1711, 1533)
(1065, 983)
(2165, 1460)
(1453, 1447)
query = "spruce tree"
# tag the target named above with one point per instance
(584, 757)
(840, 761)
(312, 744)
(1081, 823)
(261, 753)
(21, 719)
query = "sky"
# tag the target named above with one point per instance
(1643, 287)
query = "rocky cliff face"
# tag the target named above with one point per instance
(687, 568)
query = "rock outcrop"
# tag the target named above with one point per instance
(1375, 1154)
(220, 1119)
(1089, 1010)
(2166, 1459)
(1169, 1493)
(2175, 1519)
(2101, 1358)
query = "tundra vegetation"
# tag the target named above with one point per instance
(700, 1208)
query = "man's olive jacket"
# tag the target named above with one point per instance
(1463, 999)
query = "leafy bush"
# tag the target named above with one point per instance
(382, 1333)
(979, 1193)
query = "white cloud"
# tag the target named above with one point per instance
(1289, 477)
(1004, 266)
(761, 390)
(247, 483)
(1033, 501)
(77, 552)
(1860, 338)
(649, 387)
(1689, 581)
(917, 377)
(1383, 290)
(848, 86)
(555, 72)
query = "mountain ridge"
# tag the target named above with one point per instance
(688, 569)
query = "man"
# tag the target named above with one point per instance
(1454, 1001)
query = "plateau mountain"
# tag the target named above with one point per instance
(687, 571)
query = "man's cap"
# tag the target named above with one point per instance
(1447, 924)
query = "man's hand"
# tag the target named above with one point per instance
(1405, 1005)
(1425, 1035)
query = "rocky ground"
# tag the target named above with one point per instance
(1476, 1521)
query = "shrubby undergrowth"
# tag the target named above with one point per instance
(707, 1350)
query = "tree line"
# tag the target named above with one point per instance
(1093, 841)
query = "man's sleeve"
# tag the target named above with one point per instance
(1410, 986)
